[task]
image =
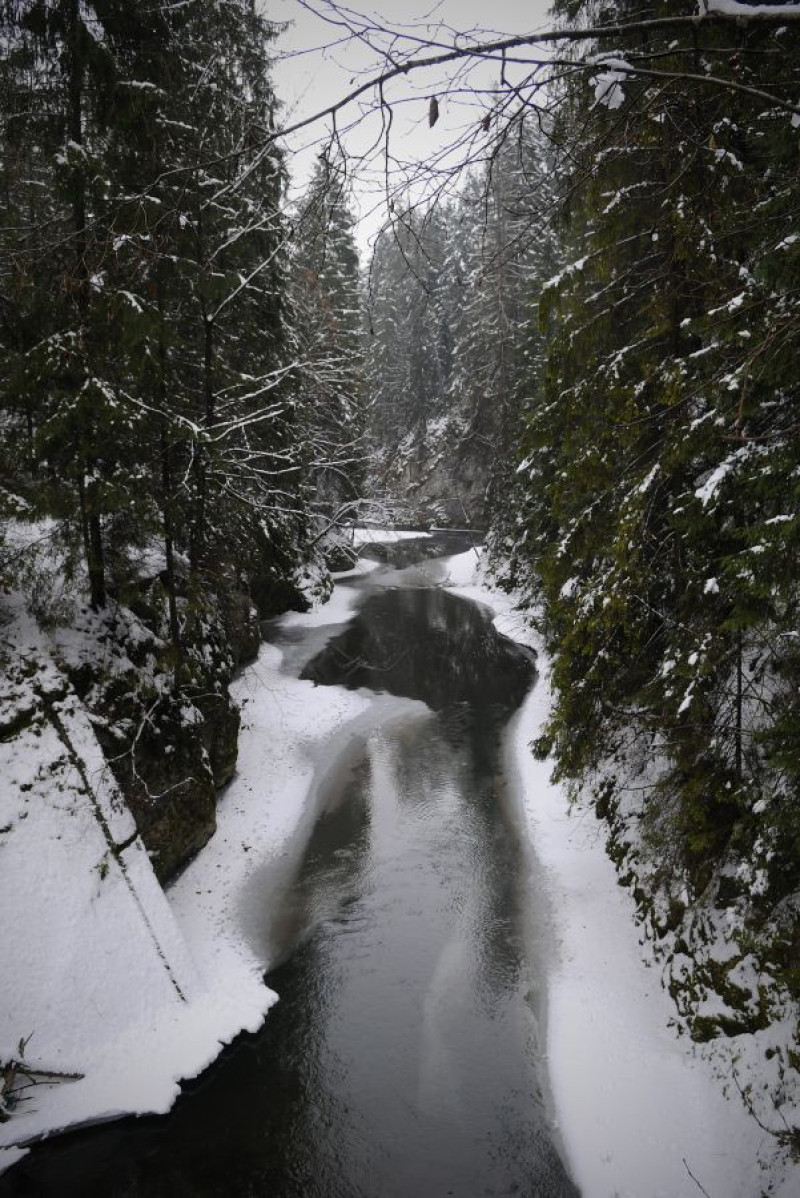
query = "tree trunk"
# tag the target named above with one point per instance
(166, 500)
(199, 465)
(169, 554)
(739, 688)
(89, 495)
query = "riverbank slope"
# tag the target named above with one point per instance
(642, 1111)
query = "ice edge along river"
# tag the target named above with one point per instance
(637, 1108)
(640, 1112)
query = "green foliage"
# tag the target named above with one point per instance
(148, 391)
(326, 296)
(454, 347)
(659, 472)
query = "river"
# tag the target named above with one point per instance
(403, 1059)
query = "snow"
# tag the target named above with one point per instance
(10, 1156)
(731, 306)
(337, 610)
(364, 566)
(705, 493)
(645, 484)
(636, 1107)
(110, 977)
(573, 269)
(148, 996)
(608, 90)
(88, 919)
(608, 80)
(749, 12)
(291, 731)
(384, 536)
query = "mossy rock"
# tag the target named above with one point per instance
(178, 826)
(16, 719)
(242, 627)
(220, 735)
(703, 1028)
(170, 791)
(340, 556)
(274, 595)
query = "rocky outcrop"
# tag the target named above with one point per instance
(161, 711)
(242, 627)
(274, 594)
(169, 739)
(441, 473)
(168, 784)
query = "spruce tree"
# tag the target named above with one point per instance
(660, 471)
(326, 296)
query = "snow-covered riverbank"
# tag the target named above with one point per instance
(641, 1111)
(107, 976)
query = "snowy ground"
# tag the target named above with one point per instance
(93, 965)
(106, 975)
(384, 536)
(640, 1111)
(637, 1107)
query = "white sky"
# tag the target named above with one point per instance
(308, 77)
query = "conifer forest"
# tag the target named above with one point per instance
(577, 335)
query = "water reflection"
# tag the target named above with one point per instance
(401, 1060)
(418, 1040)
(425, 643)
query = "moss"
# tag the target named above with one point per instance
(273, 595)
(220, 735)
(169, 787)
(242, 627)
(729, 890)
(710, 1027)
(703, 1028)
(169, 767)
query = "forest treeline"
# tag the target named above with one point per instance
(589, 348)
(154, 287)
(179, 395)
(597, 341)
(453, 345)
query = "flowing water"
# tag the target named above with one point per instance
(403, 1058)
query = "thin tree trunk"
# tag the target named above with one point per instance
(169, 554)
(502, 447)
(199, 466)
(166, 501)
(32, 463)
(739, 688)
(89, 495)
(87, 540)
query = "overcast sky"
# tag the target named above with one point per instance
(310, 74)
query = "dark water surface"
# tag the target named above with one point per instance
(401, 1060)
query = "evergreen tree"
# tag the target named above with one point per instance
(158, 356)
(506, 252)
(326, 295)
(660, 474)
(409, 352)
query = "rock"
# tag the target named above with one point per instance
(220, 735)
(168, 783)
(242, 627)
(274, 594)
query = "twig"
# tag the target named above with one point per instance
(700, 1187)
